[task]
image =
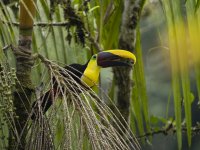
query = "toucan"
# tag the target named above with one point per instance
(85, 75)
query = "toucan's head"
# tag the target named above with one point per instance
(109, 58)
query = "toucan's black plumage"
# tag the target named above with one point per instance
(46, 100)
(85, 75)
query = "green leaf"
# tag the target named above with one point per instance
(139, 70)
(93, 8)
(191, 97)
(197, 5)
(155, 120)
(175, 67)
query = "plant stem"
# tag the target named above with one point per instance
(24, 88)
(127, 38)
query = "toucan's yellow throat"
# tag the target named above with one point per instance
(109, 58)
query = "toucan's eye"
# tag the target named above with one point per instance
(94, 57)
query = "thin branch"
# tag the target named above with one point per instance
(14, 49)
(168, 130)
(94, 42)
(58, 24)
(40, 24)
(6, 47)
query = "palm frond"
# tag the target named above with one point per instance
(78, 114)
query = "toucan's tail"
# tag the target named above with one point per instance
(40, 106)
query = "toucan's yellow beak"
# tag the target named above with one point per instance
(117, 57)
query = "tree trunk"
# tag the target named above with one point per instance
(127, 39)
(24, 63)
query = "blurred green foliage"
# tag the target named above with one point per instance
(176, 50)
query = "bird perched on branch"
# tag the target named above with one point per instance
(86, 75)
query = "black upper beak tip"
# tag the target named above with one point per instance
(130, 62)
